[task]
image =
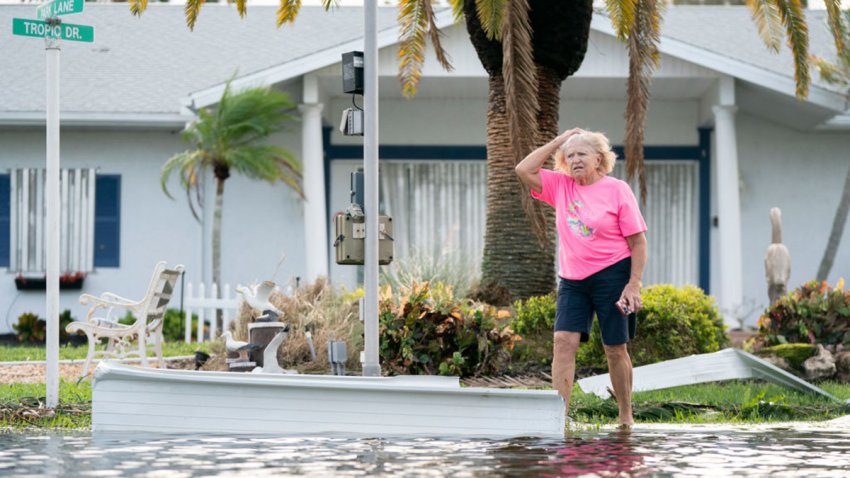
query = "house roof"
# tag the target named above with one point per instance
(143, 68)
(725, 38)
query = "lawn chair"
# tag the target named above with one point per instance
(101, 323)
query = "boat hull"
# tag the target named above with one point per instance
(176, 401)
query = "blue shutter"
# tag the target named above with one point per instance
(5, 214)
(107, 221)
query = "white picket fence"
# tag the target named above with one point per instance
(205, 305)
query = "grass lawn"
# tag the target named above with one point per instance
(19, 406)
(20, 403)
(729, 402)
(20, 353)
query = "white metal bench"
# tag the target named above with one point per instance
(102, 323)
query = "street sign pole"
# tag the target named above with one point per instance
(52, 46)
(52, 30)
(371, 365)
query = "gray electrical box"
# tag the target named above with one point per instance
(352, 72)
(350, 232)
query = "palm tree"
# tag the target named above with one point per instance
(836, 73)
(232, 138)
(526, 77)
(518, 238)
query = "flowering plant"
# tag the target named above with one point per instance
(813, 313)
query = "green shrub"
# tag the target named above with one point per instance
(30, 328)
(813, 313)
(65, 318)
(420, 266)
(428, 331)
(674, 322)
(535, 323)
(173, 327)
(537, 314)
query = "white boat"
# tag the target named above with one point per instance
(126, 398)
(727, 364)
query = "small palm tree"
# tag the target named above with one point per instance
(233, 138)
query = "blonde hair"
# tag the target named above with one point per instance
(598, 141)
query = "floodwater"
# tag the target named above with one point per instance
(664, 450)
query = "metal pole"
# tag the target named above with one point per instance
(51, 194)
(371, 366)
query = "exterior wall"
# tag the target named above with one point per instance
(803, 174)
(260, 221)
(421, 122)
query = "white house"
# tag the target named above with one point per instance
(726, 140)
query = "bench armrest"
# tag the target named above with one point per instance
(110, 302)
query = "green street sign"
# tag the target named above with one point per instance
(58, 7)
(65, 31)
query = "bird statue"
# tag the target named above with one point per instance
(270, 363)
(777, 261)
(243, 348)
(257, 296)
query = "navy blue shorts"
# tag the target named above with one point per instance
(579, 299)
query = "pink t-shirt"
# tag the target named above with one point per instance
(593, 221)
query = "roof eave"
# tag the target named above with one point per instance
(300, 66)
(117, 120)
(779, 83)
(839, 122)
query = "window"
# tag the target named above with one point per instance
(438, 208)
(672, 216)
(89, 225)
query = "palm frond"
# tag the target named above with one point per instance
(490, 14)
(830, 72)
(622, 14)
(270, 163)
(287, 11)
(833, 10)
(791, 12)
(520, 74)
(768, 21)
(241, 7)
(434, 34)
(138, 6)
(643, 59)
(192, 9)
(457, 10)
(173, 163)
(413, 18)
(328, 4)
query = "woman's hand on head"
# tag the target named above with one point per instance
(563, 137)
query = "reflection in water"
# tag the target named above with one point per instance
(644, 452)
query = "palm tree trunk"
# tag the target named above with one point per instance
(837, 230)
(515, 264)
(216, 247)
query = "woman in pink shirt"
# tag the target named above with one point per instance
(601, 254)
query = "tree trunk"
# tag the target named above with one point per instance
(216, 248)
(515, 265)
(837, 230)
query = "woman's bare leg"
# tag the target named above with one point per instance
(620, 371)
(564, 364)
